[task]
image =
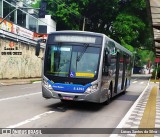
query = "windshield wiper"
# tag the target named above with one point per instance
(81, 54)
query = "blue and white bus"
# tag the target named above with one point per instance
(84, 66)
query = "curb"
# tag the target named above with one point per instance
(14, 83)
(36, 82)
(20, 82)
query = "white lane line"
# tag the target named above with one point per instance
(125, 118)
(27, 87)
(134, 81)
(141, 82)
(15, 97)
(37, 82)
(30, 120)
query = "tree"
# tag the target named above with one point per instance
(125, 21)
(128, 29)
(132, 29)
(70, 14)
(37, 4)
(67, 13)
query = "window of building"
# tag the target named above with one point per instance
(33, 23)
(7, 8)
(21, 18)
(1, 9)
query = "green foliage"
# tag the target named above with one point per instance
(138, 4)
(143, 57)
(127, 46)
(128, 24)
(70, 14)
(66, 13)
(37, 4)
(154, 73)
(128, 27)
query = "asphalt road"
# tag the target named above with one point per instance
(22, 106)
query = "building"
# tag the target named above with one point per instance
(26, 17)
(18, 36)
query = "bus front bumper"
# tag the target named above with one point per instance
(92, 97)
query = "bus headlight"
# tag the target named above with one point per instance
(47, 85)
(92, 88)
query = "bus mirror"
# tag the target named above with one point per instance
(108, 60)
(37, 49)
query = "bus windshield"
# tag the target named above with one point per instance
(74, 61)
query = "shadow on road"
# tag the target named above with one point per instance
(88, 106)
(78, 106)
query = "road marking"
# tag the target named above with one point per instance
(37, 82)
(15, 97)
(30, 120)
(134, 81)
(27, 87)
(122, 122)
(141, 82)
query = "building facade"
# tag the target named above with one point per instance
(25, 16)
(18, 37)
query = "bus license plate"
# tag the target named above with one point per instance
(67, 98)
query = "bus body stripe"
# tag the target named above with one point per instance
(74, 88)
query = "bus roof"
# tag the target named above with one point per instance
(79, 32)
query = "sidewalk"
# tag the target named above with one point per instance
(7, 82)
(144, 114)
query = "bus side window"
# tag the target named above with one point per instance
(111, 47)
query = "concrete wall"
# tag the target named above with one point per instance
(18, 60)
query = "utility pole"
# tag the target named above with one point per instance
(84, 22)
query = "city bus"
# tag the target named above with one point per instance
(84, 66)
